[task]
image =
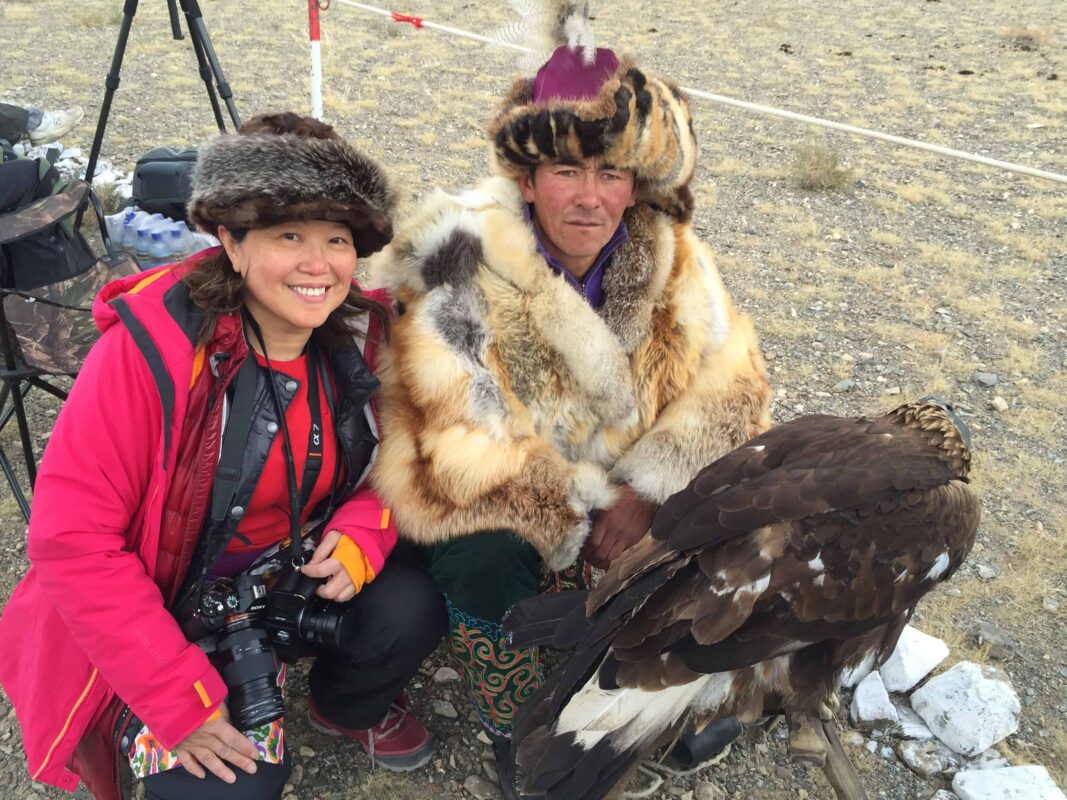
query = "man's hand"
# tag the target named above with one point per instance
(618, 528)
(338, 586)
(214, 743)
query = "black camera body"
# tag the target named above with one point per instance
(254, 628)
(296, 616)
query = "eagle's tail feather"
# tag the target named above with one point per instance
(556, 619)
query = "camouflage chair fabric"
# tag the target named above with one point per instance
(52, 325)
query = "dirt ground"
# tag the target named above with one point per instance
(914, 275)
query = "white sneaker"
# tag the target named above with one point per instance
(55, 124)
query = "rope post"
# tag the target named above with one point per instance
(316, 59)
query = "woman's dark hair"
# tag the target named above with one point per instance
(217, 289)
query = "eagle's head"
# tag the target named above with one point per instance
(937, 418)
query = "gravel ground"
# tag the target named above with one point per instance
(917, 274)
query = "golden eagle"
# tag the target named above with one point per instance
(793, 558)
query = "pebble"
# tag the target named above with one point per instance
(987, 572)
(1000, 644)
(1051, 604)
(445, 675)
(922, 758)
(847, 385)
(490, 770)
(999, 404)
(443, 708)
(480, 788)
(306, 752)
(297, 775)
(853, 738)
(865, 358)
(893, 390)
(706, 790)
(987, 379)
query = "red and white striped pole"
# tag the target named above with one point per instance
(316, 59)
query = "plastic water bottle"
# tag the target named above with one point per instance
(176, 241)
(141, 249)
(114, 223)
(159, 248)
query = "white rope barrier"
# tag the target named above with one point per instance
(948, 152)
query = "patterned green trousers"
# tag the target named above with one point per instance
(481, 577)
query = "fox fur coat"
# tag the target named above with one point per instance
(508, 402)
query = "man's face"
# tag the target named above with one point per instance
(577, 208)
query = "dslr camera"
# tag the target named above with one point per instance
(254, 628)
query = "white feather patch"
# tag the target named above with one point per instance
(633, 715)
(939, 568)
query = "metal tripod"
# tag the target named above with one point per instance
(210, 69)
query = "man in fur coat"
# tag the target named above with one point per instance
(565, 357)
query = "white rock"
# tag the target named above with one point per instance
(443, 708)
(445, 675)
(916, 655)
(943, 794)
(969, 708)
(871, 706)
(1012, 783)
(911, 725)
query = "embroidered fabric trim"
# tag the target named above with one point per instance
(500, 678)
(148, 757)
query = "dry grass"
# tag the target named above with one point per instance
(99, 17)
(1024, 37)
(817, 168)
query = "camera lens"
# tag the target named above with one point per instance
(322, 624)
(247, 666)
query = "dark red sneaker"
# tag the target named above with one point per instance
(399, 742)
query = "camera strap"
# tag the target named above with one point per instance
(298, 496)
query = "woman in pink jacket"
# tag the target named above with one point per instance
(225, 409)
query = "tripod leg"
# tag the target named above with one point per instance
(198, 31)
(205, 76)
(112, 83)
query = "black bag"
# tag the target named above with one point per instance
(163, 180)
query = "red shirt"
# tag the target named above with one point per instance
(266, 520)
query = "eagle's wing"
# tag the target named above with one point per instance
(830, 577)
(810, 466)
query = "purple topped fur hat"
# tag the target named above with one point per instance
(586, 102)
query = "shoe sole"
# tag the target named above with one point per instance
(407, 763)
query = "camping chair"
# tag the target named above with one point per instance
(46, 324)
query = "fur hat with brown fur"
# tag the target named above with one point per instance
(282, 168)
(585, 102)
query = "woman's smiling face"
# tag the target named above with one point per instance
(295, 275)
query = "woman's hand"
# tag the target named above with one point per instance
(339, 585)
(214, 743)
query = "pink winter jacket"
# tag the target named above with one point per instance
(88, 622)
